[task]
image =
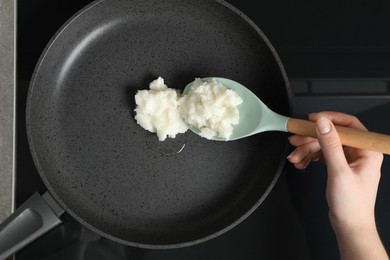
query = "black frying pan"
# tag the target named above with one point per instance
(115, 177)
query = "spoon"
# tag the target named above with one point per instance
(256, 117)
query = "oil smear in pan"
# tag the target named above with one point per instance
(169, 147)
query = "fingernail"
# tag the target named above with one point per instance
(290, 155)
(323, 126)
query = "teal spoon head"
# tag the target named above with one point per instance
(255, 116)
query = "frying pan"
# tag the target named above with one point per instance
(116, 178)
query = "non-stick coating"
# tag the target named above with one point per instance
(117, 178)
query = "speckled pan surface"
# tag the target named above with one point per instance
(115, 177)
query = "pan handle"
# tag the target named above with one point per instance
(35, 217)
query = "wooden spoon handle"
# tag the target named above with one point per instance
(349, 136)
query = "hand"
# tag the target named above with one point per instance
(352, 184)
(353, 174)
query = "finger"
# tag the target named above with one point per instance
(302, 164)
(297, 140)
(306, 160)
(309, 150)
(332, 149)
(338, 118)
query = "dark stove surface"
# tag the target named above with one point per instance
(320, 39)
(315, 39)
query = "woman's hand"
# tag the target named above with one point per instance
(352, 184)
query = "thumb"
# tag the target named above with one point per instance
(331, 146)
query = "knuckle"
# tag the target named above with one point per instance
(331, 144)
